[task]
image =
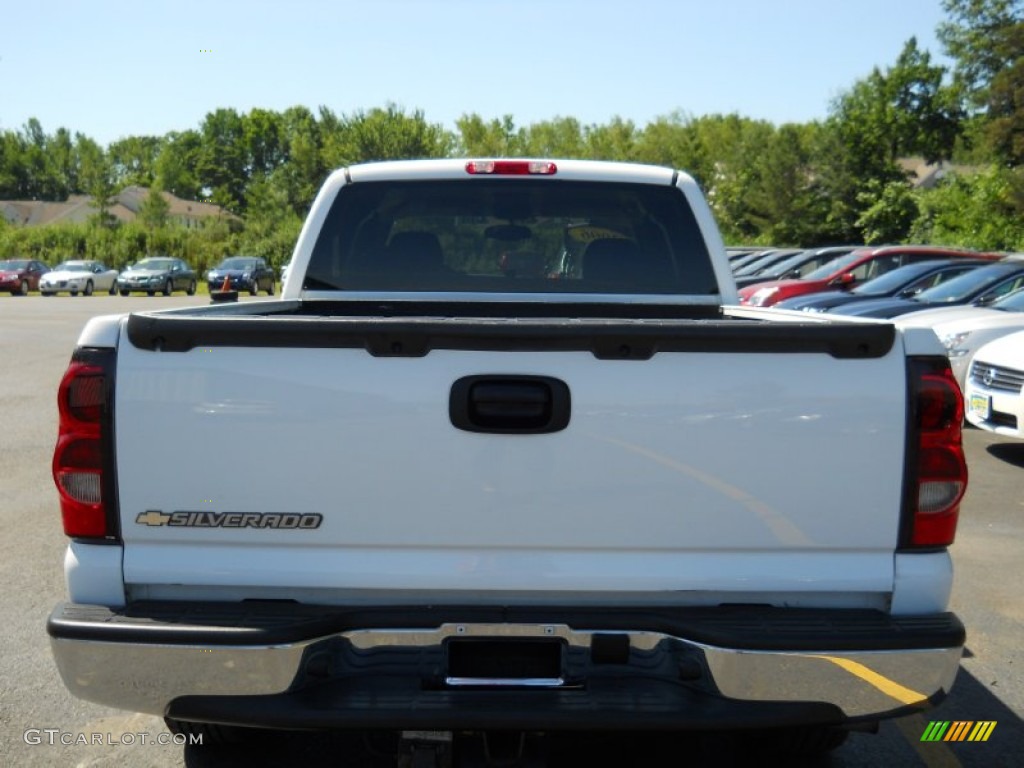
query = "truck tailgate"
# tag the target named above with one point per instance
(327, 471)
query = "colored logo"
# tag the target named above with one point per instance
(958, 730)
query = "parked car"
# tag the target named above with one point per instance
(848, 271)
(797, 266)
(964, 330)
(243, 273)
(764, 261)
(733, 252)
(995, 387)
(78, 276)
(284, 272)
(759, 257)
(980, 287)
(158, 273)
(905, 282)
(19, 276)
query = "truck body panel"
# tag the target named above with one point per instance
(636, 477)
(503, 457)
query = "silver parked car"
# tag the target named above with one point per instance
(158, 273)
(78, 276)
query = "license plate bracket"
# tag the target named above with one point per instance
(478, 662)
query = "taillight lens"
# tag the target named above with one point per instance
(512, 167)
(78, 459)
(939, 473)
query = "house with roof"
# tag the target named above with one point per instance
(924, 175)
(126, 206)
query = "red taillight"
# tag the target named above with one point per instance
(940, 476)
(512, 167)
(78, 458)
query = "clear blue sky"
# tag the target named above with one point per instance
(114, 69)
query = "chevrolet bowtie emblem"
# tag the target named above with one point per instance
(152, 518)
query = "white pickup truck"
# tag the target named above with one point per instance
(503, 458)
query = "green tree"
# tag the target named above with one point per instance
(63, 170)
(176, 165)
(97, 178)
(986, 40)
(561, 137)
(889, 213)
(220, 163)
(385, 134)
(36, 161)
(134, 160)
(984, 210)
(616, 140)
(264, 142)
(675, 140)
(36, 166)
(304, 170)
(1005, 128)
(905, 110)
(271, 225)
(153, 213)
(975, 37)
(16, 181)
(726, 154)
(497, 138)
(778, 201)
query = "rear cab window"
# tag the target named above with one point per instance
(501, 236)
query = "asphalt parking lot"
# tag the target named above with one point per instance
(37, 714)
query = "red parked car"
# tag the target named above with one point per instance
(19, 276)
(851, 270)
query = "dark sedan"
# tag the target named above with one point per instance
(158, 273)
(19, 276)
(797, 265)
(764, 261)
(242, 273)
(759, 257)
(980, 286)
(905, 282)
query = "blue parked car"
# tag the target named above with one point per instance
(905, 282)
(243, 273)
(980, 286)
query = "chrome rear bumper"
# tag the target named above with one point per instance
(150, 668)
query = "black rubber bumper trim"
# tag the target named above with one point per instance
(753, 628)
(396, 703)
(617, 338)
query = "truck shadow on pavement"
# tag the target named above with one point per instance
(973, 701)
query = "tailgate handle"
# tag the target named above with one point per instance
(509, 404)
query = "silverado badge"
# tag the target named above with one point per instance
(207, 519)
